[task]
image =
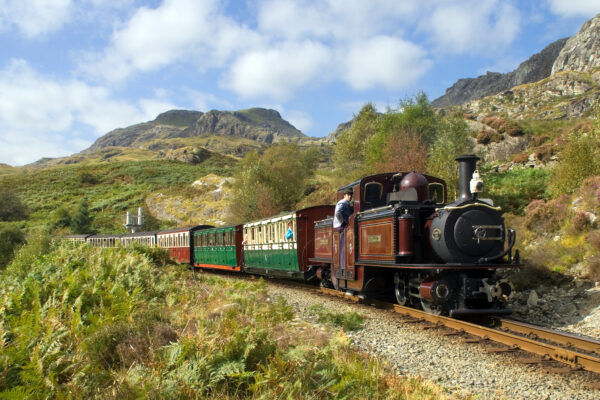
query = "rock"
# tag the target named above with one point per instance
(532, 300)
(582, 51)
(537, 67)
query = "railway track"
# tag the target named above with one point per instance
(548, 345)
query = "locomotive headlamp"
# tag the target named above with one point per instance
(476, 184)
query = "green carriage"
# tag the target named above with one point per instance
(218, 248)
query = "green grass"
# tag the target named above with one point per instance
(349, 321)
(80, 322)
(513, 190)
(110, 188)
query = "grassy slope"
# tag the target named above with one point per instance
(110, 188)
(117, 323)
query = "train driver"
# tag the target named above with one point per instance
(343, 210)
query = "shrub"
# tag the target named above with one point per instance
(488, 136)
(593, 272)
(87, 178)
(579, 159)
(495, 122)
(590, 191)
(581, 221)
(11, 206)
(520, 158)
(512, 128)
(10, 238)
(539, 140)
(546, 217)
(544, 152)
(514, 189)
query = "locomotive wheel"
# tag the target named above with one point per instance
(430, 308)
(400, 289)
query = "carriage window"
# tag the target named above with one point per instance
(436, 192)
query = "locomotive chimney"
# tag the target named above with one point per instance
(466, 166)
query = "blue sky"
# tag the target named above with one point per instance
(72, 70)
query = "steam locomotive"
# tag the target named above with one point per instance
(404, 240)
(404, 236)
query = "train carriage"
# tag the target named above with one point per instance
(104, 240)
(268, 252)
(143, 238)
(77, 239)
(218, 248)
(179, 242)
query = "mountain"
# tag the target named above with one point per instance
(537, 67)
(257, 124)
(570, 91)
(582, 51)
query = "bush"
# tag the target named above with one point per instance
(495, 122)
(544, 152)
(11, 206)
(514, 189)
(520, 158)
(487, 137)
(513, 129)
(581, 221)
(11, 237)
(579, 159)
(539, 140)
(546, 217)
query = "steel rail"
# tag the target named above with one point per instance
(575, 359)
(567, 339)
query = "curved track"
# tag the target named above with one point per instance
(578, 352)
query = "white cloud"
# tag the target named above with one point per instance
(177, 31)
(332, 19)
(384, 61)
(472, 26)
(276, 72)
(575, 8)
(45, 116)
(34, 18)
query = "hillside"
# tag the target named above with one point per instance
(165, 189)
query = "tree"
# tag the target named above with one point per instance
(81, 221)
(61, 218)
(272, 182)
(452, 140)
(10, 238)
(11, 206)
(579, 159)
(402, 151)
(350, 151)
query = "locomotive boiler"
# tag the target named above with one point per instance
(405, 238)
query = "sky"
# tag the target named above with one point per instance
(73, 70)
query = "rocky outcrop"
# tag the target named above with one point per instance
(344, 126)
(187, 155)
(564, 95)
(537, 67)
(259, 124)
(582, 51)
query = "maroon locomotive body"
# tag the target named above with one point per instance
(405, 237)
